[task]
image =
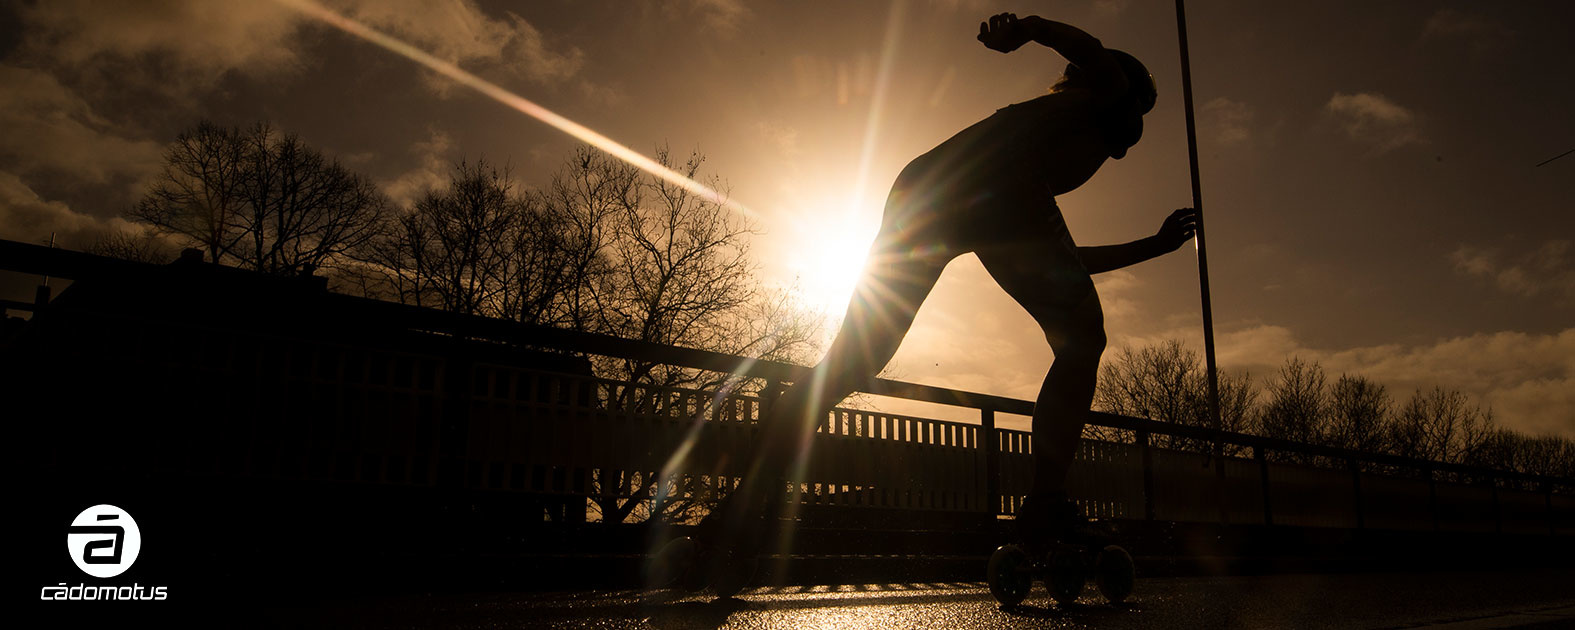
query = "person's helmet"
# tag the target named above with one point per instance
(1140, 84)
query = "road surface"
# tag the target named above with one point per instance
(1539, 599)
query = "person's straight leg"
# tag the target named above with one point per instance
(1036, 263)
(903, 265)
(878, 317)
(1061, 410)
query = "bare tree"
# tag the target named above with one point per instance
(200, 189)
(1155, 383)
(138, 246)
(676, 270)
(603, 248)
(1357, 412)
(1166, 383)
(584, 196)
(464, 248)
(467, 229)
(259, 200)
(680, 271)
(1440, 425)
(1297, 404)
(1547, 455)
(303, 210)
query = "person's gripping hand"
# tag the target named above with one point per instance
(1178, 228)
(1004, 32)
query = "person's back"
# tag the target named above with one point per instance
(1054, 140)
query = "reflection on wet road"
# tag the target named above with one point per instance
(1369, 600)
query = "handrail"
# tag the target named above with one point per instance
(39, 260)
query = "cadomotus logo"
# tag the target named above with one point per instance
(104, 541)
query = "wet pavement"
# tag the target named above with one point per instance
(1457, 600)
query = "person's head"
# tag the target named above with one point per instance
(1123, 120)
(1140, 84)
(1141, 91)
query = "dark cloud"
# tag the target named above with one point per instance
(1547, 269)
(25, 216)
(49, 128)
(1481, 34)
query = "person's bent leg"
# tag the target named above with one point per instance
(1061, 410)
(1036, 263)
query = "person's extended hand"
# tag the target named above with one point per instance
(1178, 228)
(1004, 32)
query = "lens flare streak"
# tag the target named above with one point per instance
(510, 99)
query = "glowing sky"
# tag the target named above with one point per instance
(1368, 169)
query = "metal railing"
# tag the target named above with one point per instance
(345, 411)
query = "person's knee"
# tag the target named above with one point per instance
(1080, 340)
(1086, 344)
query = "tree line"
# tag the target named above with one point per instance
(604, 247)
(1166, 382)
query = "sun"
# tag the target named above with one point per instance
(829, 249)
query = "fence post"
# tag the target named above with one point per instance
(1356, 490)
(1219, 482)
(989, 442)
(1263, 482)
(1547, 507)
(1432, 494)
(1498, 508)
(454, 430)
(768, 399)
(1144, 440)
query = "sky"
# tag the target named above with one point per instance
(1369, 170)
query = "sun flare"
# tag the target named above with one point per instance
(829, 254)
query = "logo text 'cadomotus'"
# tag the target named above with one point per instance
(104, 541)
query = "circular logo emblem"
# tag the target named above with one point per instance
(104, 541)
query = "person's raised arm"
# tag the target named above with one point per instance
(1006, 33)
(1175, 231)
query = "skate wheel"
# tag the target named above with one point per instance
(1115, 574)
(731, 571)
(1010, 574)
(1064, 577)
(673, 563)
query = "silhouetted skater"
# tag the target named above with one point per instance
(991, 190)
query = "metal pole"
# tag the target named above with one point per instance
(1197, 204)
(51, 246)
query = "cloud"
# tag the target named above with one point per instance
(1528, 380)
(716, 19)
(203, 40)
(459, 32)
(27, 217)
(1482, 35)
(49, 128)
(598, 95)
(1230, 119)
(431, 170)
(783, 138)
(1374, 120)
(721, 16)
(1528, 273)
(1110, 8)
